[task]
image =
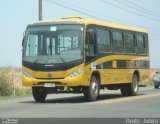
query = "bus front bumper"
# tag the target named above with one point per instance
(77, 81)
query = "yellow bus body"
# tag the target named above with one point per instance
(108, 76)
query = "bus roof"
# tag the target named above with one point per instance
(75, 19)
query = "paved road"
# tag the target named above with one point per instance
(109, 104)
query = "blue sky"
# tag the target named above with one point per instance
(15, 15)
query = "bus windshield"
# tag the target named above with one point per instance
(53, 44)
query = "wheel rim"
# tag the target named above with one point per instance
(135, 85)
(94, 88)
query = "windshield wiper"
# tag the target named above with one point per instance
(36, 60)
(39, 56)
(64, 62)
(61, 58)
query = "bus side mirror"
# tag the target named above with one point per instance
(23, 38)
(22, 44)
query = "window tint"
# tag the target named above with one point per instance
(128, 40)
(103, 40)
(32, 45)
(140, 41)
(146, 44)
(117, 39)
(91, 42)
(129, 43)
(117, 42)
(140, 44)
(48, 44)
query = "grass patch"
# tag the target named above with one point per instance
(23, 91)
(10, 79)
(5, 81)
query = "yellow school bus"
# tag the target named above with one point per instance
(78, 55)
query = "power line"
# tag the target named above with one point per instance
(98, 15)
(128, 10)
(64, 6)
(154, 37)
(154, 32)
(137, 8)
(67, 6)
(142, 8)
(88, 10)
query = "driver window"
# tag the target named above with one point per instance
(91, 47)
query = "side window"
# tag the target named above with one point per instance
(140, 44)
(117, 42)
(91, 44)
(140, 41)
(129, 43)
(103, 41)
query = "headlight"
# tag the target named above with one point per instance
(76, 73)
(26, 74)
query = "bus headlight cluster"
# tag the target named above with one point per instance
(76, 73)
(26, 74)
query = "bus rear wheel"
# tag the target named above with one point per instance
(39, 94)
(91, 92)
(131, 89)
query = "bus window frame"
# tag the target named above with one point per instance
(86, 42)
(135, 33)
(144, 42)
(134, 42)
(110, 38)
(119, 31)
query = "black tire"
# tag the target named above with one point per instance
(91, 92)
(39, 94)
(124, 90)
(131, 89)
(156, 87)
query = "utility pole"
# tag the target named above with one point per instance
(40, 10)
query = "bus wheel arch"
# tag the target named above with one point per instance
(97, 75)
(136, 72)
(91, 92)
(132, 88)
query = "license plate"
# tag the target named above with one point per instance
(49, 85)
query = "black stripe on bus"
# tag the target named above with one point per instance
(124, 64)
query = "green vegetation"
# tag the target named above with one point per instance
(10, 81)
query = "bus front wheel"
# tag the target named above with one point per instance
(131, 89)
(91, 92)
(39, 94)
(156, 87)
